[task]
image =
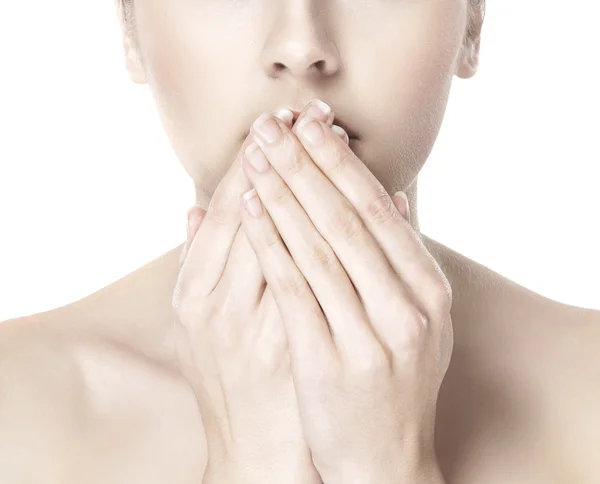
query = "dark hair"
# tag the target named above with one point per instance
(127, 6)
(475, 20)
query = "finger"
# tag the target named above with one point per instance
(341, 132)
(315, 258)
(311, 110)
(303, 220)
(196, 213)
(401, 245)
(328, 120)
(242, 281)
(309, 340)
(195, 216)
(212, 246)
(401, 202)
(194, 219)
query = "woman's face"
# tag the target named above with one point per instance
(384, 66)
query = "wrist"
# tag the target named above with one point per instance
(394, 468)
(258, 470)
(393, 474)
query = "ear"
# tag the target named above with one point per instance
(133, 58)
(468, 60)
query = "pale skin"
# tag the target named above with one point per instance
(433, 368)
(360, 359)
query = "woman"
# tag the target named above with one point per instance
(217, 363)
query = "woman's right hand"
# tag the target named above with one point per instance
(233, 351)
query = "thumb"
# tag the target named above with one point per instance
(195, 215)
(401, 201)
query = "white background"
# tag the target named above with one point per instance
(90, 189)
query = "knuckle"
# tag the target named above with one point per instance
(185, 307)
(218, 213)
(441, 298)
(292, 286)
(281, 195)
(323, 376)
(346, 223)
(413, 334)
(321, 255)
(381, 209)
(271, 239)
(294, 156)
(337, 161)
(372, 362)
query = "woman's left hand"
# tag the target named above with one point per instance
(365, 306)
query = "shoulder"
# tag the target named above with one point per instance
(571, 362)
(63, 361)
(36, 352)
(525, 372)
(546, 355)
(70, 388)
(41, 394)
(72, 400)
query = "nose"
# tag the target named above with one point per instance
(298, 44)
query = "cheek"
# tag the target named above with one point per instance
(401, 77)
(406, 88)
(188, 77)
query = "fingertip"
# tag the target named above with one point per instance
(341, 132)
(285, 115)
(195, 216)
(401, 201)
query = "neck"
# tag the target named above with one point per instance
(136, 310)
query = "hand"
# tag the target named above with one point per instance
(232, 349)
(365, 306)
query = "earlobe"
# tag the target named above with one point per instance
(133, 61)
(468, 63)
(133, 58)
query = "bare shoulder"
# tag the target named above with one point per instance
(572, 367)
(36, 360)
(522, 392)
(41, 395)
(74, 404)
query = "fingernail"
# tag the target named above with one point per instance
(317, 110)
(194, 218)
(252, 202)
(406, 208)
(256, 158)
(323, 110)
(341, 132)
(285, 115)
(267, 129)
